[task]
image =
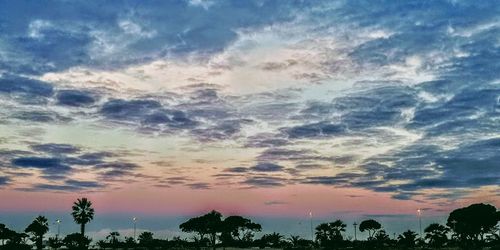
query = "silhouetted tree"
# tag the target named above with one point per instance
(129, 243)
(3, 233)
(329, 235)
(436, 235)
(294, 240)
(209, 224)
(102, 244)
(471, 223)
(274, 240)
(146, 239)
(13, 240)
(38, 228)
(113, 240)
(494, 240)
(407, 239)
(76, 241)
(194, 225)
(372, 226)
(237, 229)
(55, 243)
(298, 242)
(82, 213)
(382, 237)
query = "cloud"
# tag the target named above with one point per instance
(199, 185)
(84, 184)
(266, 167)
(315, 130)
(266, 140)
(119, 109)
(55, 149)
(148, 113)
(236, 170)
(4, 180)
(275, 203)
(11, 84)
(112, 35)
(40, 116)
(399, 106)
(68, 186)
(264, 181)
(222, 131)
(89, 159)
(61, 166)
(49, 165)
(117, 165)
(75, 98)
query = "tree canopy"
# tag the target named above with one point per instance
(436, 234)
(209, 224)
(38, 228)
(330, 234)
(372, 226)
(474, 221)
(82, 213)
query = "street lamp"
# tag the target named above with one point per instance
(419, 213)
(355, 224)
(454, 223)
(58, 228)
(135, 226)
(311, 220)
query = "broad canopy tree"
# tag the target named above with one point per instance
(206, 225)
(372, 226)
(473, 222)
(211, 225)
(237, 229)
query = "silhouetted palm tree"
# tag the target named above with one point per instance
(294, 240)
(3, 233)
(38, 228)
(113, 239)
(82, 213)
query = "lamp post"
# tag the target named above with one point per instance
(58, 228)
(355, 237)
(454, 223)
(311, 220)
(135, 227)
(419, 213)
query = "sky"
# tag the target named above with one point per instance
(269, 109)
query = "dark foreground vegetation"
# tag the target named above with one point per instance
(472, 227)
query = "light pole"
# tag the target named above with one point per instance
(355, 224)
(135, 226)
(58, 228)
(311, 220)
(454, 223)
(419, 213)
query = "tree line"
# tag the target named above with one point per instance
(472, 227)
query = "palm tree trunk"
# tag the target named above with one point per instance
(82, 229)
(39, 243)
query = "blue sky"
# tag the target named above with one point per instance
(268, 104)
